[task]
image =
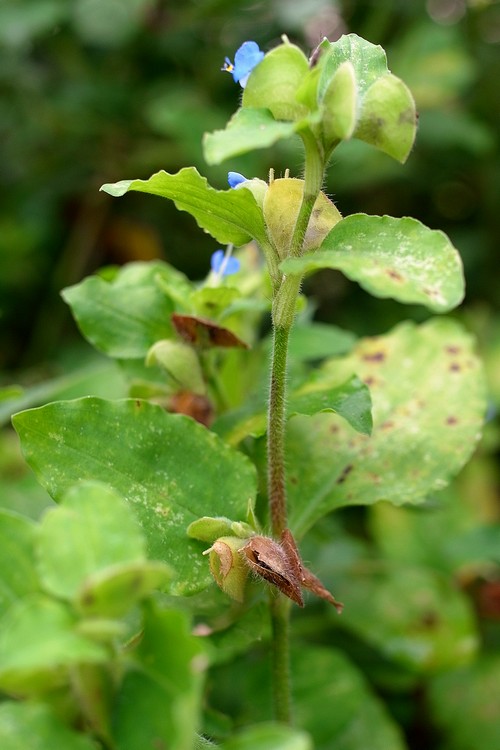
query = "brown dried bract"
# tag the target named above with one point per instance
(205, 333)
(279, 563)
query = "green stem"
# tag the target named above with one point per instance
(313, 179)
(280, 616)
(286, 291)
(276, 430)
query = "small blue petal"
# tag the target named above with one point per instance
(246, 58)
(216, 260)
(235, 178)
(222, 265)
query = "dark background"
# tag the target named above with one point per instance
(96, 91)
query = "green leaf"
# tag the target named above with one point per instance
(34, 726)
(420, 439)
(91, 551)
(230, 216)
(123, 318)
(248, 129)
(92, 529)
(169, 468)
(269, 736)
(416, 617)
(398, 258)
(39, 644)
(318, 340)
(464, 705)
(17, 564)
(274, 83)
(113, 591)
(212, 301)
(350, 400)
(164, 687)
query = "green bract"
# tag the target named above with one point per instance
(345, 91)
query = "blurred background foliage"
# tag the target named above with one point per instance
(95, 91)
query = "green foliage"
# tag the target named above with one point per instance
(112, 632)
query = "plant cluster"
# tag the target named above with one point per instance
(221, 469)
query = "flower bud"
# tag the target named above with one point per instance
(227, 566)
(181, 363)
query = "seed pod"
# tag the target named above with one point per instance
(279, 563)
(271, 561)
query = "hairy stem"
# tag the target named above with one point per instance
(280, 616)
(276, 431)
(285, 295)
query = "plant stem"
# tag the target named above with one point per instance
(276, 430)
(280, 618)
(286, 291)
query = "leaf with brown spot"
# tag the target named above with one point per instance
(389, 257)
(411, 449)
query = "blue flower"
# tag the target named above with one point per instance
(235, 178)
(224, 265)
(246, 58)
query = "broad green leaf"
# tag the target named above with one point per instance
(123, 318)
(169, 468)
(428, 397)
(39, 644)
(274, 83)
(113, 591)
(398, 258)
(92, 529)
(331, 700)
(416, 617)
(17, 564)
(350, 400)
(269, 736)
(163, 687)
(464, 705)
(33, 726)
(230, 216)
(318, 340)
(92, 552)
(212, 301)
(248, 129)
(99, 376)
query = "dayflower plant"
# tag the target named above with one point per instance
(261, 457)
